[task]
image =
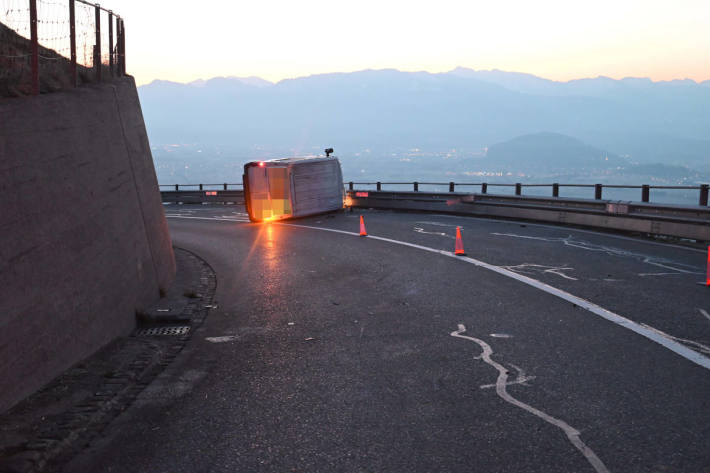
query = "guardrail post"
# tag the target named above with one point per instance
(225, 186)
(518, 188)
(379, 186)
(110, 42)
(451, 186)
(555, 190)
(416, 186)
(645, 192)
(97, 47)
(72, 43)
(35, 47)
(200, 186)
(703, 195)
(484, 188)
(123, 48)
(598, 191)
(350, 185)
(177, 187)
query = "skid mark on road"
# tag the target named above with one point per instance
(501, 389)
(529, 268)
(664, 263)
(665, 341)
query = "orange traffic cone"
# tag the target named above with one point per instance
(363, 232)
(459, 243)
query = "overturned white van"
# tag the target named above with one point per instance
(292, 187)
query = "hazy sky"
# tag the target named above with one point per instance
(184, 40)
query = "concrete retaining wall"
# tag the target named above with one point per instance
(83, 238)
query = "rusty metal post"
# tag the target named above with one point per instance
(35, 47)
(703, 195)
(110, 42)
(118, 46)
(518, 188)
(416, 187)
(97, 46)
(72, 44)
(555, 190)
(598, 191)
(484, 188)
(123, 48)
(451, 186)
(645, 191)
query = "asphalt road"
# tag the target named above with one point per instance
(335, 353)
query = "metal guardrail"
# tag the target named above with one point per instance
(702, 189)
(687, 221)
(691, 222)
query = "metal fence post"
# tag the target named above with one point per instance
(555, 190)
(518, 188)
(645, 192)
(451, 186)
(177, 187)
(200, 186)
(123, 48)
(703, 195)
(484, 188)
(350, 185)
(110, 42)
(72, 43)
(97, 46)
(416, 186)
(379, 186)
(35, 47)
(225, 186)
(598, 191)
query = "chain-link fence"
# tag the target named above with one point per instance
(48, 45)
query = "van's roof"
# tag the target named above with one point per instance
(293, 160)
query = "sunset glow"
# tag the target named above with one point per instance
(556, 39)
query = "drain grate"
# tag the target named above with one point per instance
(175, 330)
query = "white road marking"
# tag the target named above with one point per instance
(611, 251)
(658, 274)
(519, 379)
(226, 338)
(704, 312)
(421, 230)
(578, 230)
(699, 346)
(643, 330)
(539, 268)
(231, 219)
(501, 389)
(437, 224)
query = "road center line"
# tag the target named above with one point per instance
(644, 331)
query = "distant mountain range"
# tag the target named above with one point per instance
(628, 121)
